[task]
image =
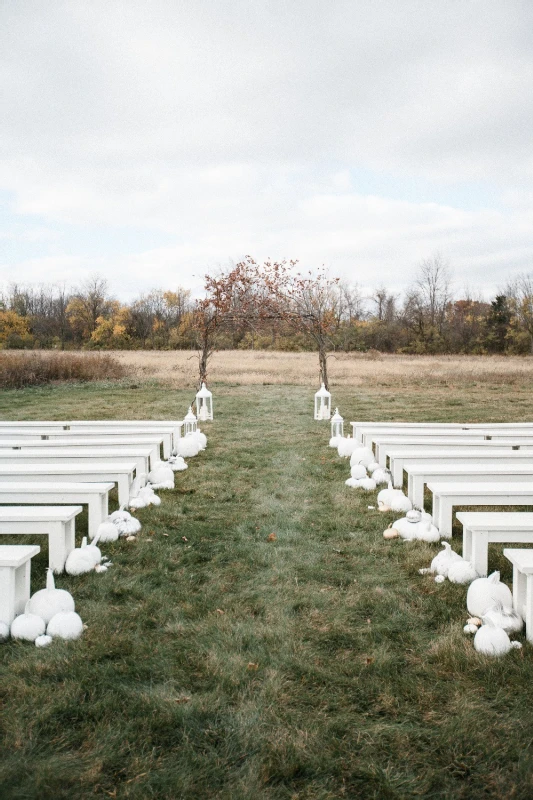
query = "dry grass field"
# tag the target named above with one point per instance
(247, 367)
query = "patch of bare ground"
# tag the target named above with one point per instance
(179, 368)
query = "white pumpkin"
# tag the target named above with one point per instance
(47, 602)
(361, 455)
(161, 477)
(137, 502)
(443, 560)
(65, 625)
(188, 446)
(201, 438)
(346, 446)
(373, 466)
(107, 532)
(426, 531)
(491, 641)
(380, 475)
(358, 471)
(4, 631)
(334, 442)
(484, 593)
(43, 641)
(79, 561)
(352, 483)
(177, 463)
(461, 572)
(149, 496)
(367, 484)
(506, 618)
(27, 627)
(126, 524)
(469, 628)
(415, 515)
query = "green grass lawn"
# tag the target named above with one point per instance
(219, 664)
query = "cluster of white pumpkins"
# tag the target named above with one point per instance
(49, 614)
(489, 601)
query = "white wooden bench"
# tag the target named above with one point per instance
(448, 495)
(65, 455)
(15, 566)
(110, 436)
(370, 437)
(481, 528)
(358, 428)
(57, 522)
(384, 446)
(125, 445)
(402, 457)
(171, 427)
(122, 473)
(522, 561)
(418, 474)
(94, 495)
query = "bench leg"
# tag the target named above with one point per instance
(7, 595)
(397, 473)
(467, 544)
(444, 517)
(480, 552)
(61, 541)
(381, 456)
(95, 515)
(22, 587)
(519, 590)
(123, 490)
(529, 608)
(417, 483)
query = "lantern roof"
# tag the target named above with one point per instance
(336, 416)
(204, 392)
(190, 416)
(322, 392)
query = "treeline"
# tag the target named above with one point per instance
(426, 319)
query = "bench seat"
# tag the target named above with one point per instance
(400, 458)
(122, 473)
(57, 522)
(448, 495)
(418, 474)
(63, 455)
(481, 528)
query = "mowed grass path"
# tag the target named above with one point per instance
(220, 664)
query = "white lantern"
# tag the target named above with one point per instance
(337, 425)
(204, 404)
(190, 422)
(322, 403)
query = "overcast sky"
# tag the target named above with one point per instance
(152, 141)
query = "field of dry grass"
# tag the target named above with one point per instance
(179, 368)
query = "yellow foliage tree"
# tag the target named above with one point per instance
(14, 330)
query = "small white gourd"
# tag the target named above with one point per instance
(65, 625)
(373, 466)
(468, 628)
(461, 572)
(137, 502)
(358, 471)
(126, 524)
(484, 593)
(506, 618)
(443, 560)
(47, 602)
(27, 627)
(490, 640)
(43, 641)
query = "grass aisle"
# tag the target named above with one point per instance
(261, 639)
